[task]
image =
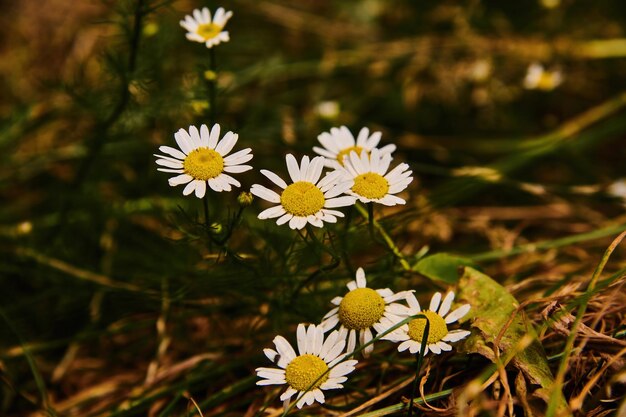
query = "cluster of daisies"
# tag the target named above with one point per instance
(355, 170)
(347, 170)
(323, 360)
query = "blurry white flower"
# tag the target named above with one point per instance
(538, 78)
(318, 367)
(618, 189)
(328, 109)
(201, 28)
(202, 160)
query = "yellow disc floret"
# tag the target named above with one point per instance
(306, 372)
(302, 198)
(361, 308)
(345, 152)
(203, 164)
(208, 30)
(437, 330)
(371, 185)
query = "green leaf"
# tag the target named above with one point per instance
(442, 267)
(492, 308)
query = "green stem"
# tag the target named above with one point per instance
(370, 215)
(207, 221)
(419, 358)
(388, 241)
(212, 87)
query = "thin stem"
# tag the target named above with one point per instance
(419, 358)
(212, 87)
(370, 215)
(207, 222)
(388, 241)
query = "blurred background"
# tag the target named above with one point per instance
(511, 115)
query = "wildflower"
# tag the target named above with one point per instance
(339, 143)
(617, 189)
(319, 366)
(411, 334)
(202, 29)
(537, 78)
(327, 110)
(203, 160)
(308, 199)
(362, 309)
(371, 180)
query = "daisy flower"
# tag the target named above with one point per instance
(318, 367)
(371, 180)
(201, 28)
(308, 199)
(538, 78)
(202, 160)
(362, 310)
(410, 335)
(338, 144)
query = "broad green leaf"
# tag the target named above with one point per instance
(492, 308)
(442, 267)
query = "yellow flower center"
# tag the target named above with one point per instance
(208, 30)
(361, 308)
(306, 372)
(371, 185)
(437, 330)
(203, 164)
(302, 198)
(345, 152)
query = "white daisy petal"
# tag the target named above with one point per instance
(314, 171)
(270, 382)
(360, 278)
(172, 152)
(237, 169)
(301, 337)
(434, 348)
(226, 144)
(238, 157)
(340, 202)
(284, 348)
(288, 394)
(412, 301)
(214, 136)
(271, 212)
(445, 305)
(190, 188)
(200, 188)
(170, 163)
(330, 322)
(456, 335)
(457, 314)
(292, 167)
(311, 336)
(184, 141)
(284, 219)
(265, 193)
(434, 302)
(444, 346)
(180, 179)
